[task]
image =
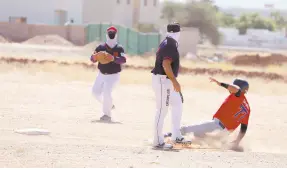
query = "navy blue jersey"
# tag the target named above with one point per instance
(115, 66)
(167, 50)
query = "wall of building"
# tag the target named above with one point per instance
(22, 32)
(96, 11)
(123, 12)
(120, 11)
(149, 11)
(258, 38)
(40, 11)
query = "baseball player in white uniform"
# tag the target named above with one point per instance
(167, 89)
(108, 74)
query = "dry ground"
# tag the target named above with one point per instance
(58, 98)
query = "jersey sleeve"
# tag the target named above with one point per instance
(121, 59)
(122, 52)
(169, 53)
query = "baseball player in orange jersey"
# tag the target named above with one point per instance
(233, 112)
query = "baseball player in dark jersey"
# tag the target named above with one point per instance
(108, 74)
(166, 87)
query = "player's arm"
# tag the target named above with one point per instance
(121, 59)
(167, 60)
(243, 130)
(241, 134)
(229, 87)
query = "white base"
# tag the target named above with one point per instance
(33, 131)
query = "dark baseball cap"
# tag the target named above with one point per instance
(173, 27)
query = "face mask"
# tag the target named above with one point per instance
(111, 39)
(174, 35)
(111, 35)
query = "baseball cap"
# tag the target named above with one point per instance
(112, 28)
(173, 27)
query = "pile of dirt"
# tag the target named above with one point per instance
(257, 60)
(49, 40)
(92, 45)
(3, 40)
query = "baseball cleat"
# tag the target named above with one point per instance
(169, 134)
(106, 118)
(164, 146)
(182, 141)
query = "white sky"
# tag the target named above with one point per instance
(279, 4)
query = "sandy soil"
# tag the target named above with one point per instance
(60, 101)
(58, 98)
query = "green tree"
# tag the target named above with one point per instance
(201, 15)
(169, 10)
(279, 20)
(225, 20)
(254, 20)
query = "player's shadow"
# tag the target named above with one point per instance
(166, 150)
(106, 122)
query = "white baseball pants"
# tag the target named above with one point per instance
(103, 88)
(203, 128)
(165, 97)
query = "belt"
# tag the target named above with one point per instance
(108, 73)
(161, 75)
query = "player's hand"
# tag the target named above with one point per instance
(235, 144)
(214, 80)
(176, 86)
(93, 57)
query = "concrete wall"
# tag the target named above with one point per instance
(189, 38)
(120, 12)
(123, 13)
(40, 11)
(149, 13)
(254, 38)
(21, 32)
(96, 11)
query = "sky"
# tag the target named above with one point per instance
(278, 4)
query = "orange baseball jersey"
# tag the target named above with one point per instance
(234, 111)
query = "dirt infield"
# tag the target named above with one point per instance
(58, 98)
(183, 70)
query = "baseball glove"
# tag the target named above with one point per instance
(103, 57)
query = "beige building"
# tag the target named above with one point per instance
(125, 12)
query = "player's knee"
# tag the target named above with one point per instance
(96, 93)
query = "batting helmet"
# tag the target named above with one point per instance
(242, 84)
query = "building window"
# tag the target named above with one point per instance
(128, 2)
(154, 2)
(145, 2)
(118, 1)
